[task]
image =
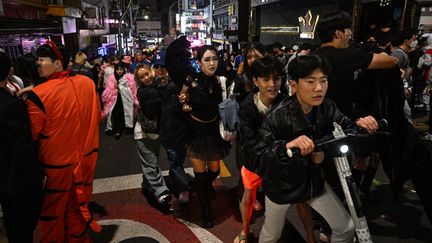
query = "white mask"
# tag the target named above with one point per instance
(414, 44)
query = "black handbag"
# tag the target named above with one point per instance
(147, 125)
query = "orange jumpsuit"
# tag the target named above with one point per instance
(64, 115)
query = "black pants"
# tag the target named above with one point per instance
(21, 214)
(117, 116)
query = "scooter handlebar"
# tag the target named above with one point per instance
(354, 133)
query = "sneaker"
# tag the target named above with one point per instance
(324, 238)
(117, 136)
(184, 197)
(164, 203)
(165, 199)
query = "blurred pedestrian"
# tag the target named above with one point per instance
(120, 102)
(21, 175)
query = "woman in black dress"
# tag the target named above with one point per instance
(205, 146)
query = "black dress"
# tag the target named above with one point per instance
(204, 141)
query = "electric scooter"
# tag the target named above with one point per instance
(350, 189)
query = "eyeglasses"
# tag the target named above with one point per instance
(55, 49)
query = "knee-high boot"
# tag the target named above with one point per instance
(202, 180)
(212, 176)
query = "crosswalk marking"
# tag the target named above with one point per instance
(127, 182)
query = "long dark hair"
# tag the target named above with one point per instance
(117, 67)
(203, 49)
(26, 68)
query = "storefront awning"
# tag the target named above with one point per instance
(14, 26)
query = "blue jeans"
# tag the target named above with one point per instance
(176, 159)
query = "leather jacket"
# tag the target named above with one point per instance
(297, 179)
(250, 123)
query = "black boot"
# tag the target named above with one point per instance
(202, 180)
(212, 176)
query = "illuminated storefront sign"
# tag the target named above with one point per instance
(231, 10)
(280, 29)
(308, 25)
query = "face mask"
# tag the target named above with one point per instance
(414, 44)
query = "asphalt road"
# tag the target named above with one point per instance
(402, 220)
(129, 218)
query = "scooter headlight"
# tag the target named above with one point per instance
(344, 149)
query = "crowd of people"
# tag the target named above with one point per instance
(52, 108)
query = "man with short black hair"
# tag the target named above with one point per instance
(403, 40)
(293, 124)
(334, 30)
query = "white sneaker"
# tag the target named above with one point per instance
(184, 197)
(324, 238)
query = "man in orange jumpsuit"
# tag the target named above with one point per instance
(64, 116)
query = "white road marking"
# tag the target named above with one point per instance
(127, 229)
(120, 183)
(202, 234)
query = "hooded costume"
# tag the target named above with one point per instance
(64, 116)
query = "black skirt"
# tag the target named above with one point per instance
(205, 142)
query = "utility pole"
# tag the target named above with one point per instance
(211, 21)
(244, 9)
(120, 27)
(356, 18)
(402, 26)
(170, 21)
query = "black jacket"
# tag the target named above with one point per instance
(20, 169)
(82, 70)
(149, 108)
(296, 179)
(250, 123)
(173, 122)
